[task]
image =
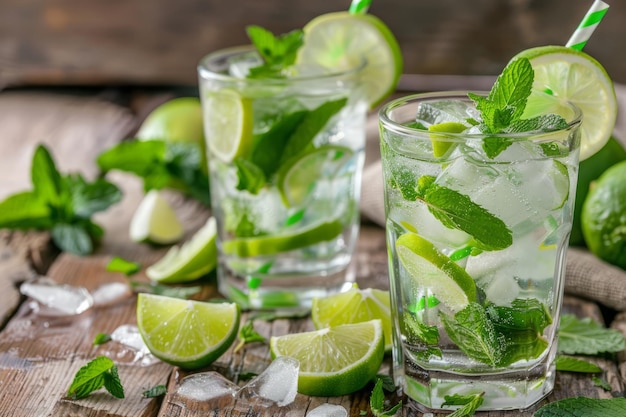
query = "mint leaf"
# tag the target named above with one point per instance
(117, 264)
(100, 372)
(586, 337)
(25, 210)
(572, 364)
(598, 382)
(251, 177)
(72, 238)
(543, 123)
(581, 406)
(155, 391)
(46, 179)
(278, 52)
(469, 403)
(89, 198)
(377, 401)
(419, 332)
(113, 384)
(247, 334)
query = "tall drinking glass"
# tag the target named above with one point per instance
(477, 231)
(285, 156)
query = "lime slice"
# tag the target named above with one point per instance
(193, 259)
(431, 269)
(334, 361)
(297, 178)
(227, 124)
(565, 74)
(285, 241)
(354, 306)
(176, 120)
(342, 40)
(185, 333)
(155, 221)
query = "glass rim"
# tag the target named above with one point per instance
(398, 128)
(206, 73)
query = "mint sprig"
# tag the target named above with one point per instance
(100, 372)
(377, 401)
(278, 52)
(469, 404)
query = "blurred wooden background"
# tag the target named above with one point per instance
(159, 42)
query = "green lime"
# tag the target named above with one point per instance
(564, 75)
(186, 333)
(155, 221)
(228, 123)
(193, 259)
(354, 306)
(440, 145)
(604, 216)
(334, 361)
(297, 178)
(284, 241)
(589, 170)
(342, 40)
(431, 269)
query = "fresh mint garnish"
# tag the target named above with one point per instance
(377, 401)
(586, 337)
(572, 364)
(278, 52)
(118, 264)
(469, 403)
(100, 372)
(582, 406)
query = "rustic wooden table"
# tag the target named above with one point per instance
(39, 356)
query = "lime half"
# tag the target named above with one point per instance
(227, 124)
(566, 75)
(342, 40)
(334, 361)
(195, 258)
(431, 269)
(155, 221)
(354, 306)
(185, 333)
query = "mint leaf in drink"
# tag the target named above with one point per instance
(571, 364)
(251, 177)
(586, 337)
(582, 406)
(278, 52)
(118, 264)
(100, 372)
(469, 403)
(418, 332)
(457, 211)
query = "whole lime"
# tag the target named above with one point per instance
(604, 216)
(590, 170)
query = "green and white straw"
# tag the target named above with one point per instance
(359, 6)
(586, 27)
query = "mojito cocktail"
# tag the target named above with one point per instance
(478, 222)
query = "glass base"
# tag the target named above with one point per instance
(516, 389)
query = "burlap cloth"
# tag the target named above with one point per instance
(586, 275)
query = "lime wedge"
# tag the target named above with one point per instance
(155, 221)
(440, 145)
(176, 120)
(564, 74)
(297, 178)
(185, 333)
(354, 306)
(334, 361)
(342, 40)
(193, 259)
(431, 269)
(227, 124)
(285, 241)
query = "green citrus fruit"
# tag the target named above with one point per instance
(155, 221)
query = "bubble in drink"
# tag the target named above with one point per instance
(205, 386)
(328, 410)
(61, 299)
(278, 383)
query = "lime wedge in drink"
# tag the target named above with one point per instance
(564, 74)
(429, 268)
(297, 178)
(227, 124)
(334, 361)
(185, 333)
(193, 259)
(354, 306)
(284, 241)
(155, 221)
(342, 40)
(440, 145)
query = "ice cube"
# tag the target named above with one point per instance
(110, 293)
(278, 383)
(129, 337)
(239, 66)
(61, 299)
(328, 410)
(205, 386)
(432, 113)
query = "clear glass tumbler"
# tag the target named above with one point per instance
(285, 157)
(477, 231)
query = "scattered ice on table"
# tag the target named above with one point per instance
(110, 293)
(328, 410)
(278, 383)
(129, 336)
(206, 386)
(60, 299)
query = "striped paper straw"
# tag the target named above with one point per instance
(359, 6)
(589, 23)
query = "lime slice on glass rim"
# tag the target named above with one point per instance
(429, 268)
(563, 75)
(193, 259)
(334, 361)
(155, 221)
(228, 121)
(342, 40)
(354, 306)
(186, 333)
